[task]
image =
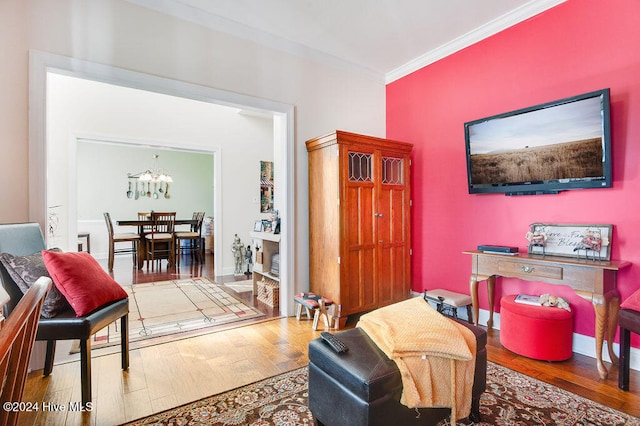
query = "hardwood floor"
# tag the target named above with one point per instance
(169, 374)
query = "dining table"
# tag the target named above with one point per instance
(140, 224)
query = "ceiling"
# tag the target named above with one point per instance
(386, 39)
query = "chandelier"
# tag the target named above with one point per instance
(158, 177)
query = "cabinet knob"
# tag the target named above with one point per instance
(527, 269)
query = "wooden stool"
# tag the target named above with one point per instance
(450, 300)
(318, 304)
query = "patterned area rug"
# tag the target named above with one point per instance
(169, 307)
(511, 399)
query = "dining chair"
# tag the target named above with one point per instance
(160, 240)
(193, 238)
(114, 239)
(25, 239)
(145, 216)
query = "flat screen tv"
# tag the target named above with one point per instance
(543, 149)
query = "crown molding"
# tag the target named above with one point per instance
(499, 24)
(214, 22)
(218, 23)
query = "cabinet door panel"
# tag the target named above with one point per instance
(393, 235)
(359, 246)
(394, 280)
(358, 215)
(358, 273)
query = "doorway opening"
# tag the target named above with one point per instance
(41, 64)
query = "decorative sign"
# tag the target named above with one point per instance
(581, 241)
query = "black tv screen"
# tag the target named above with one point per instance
(543, 149)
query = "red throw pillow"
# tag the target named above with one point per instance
(82, 281)
(632, 302)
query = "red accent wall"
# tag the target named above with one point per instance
(576, 47)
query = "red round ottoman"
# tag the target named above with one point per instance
(538, 332)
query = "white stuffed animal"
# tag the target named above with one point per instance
(551, 300)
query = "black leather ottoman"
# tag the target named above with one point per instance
(363, 386)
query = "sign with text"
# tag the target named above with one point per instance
(586, 241)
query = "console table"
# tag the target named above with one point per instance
(593, 280)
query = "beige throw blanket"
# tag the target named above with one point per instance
(435, 355)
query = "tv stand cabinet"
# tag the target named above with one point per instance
(593, 280)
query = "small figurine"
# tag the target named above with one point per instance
(536, 239)
(592, 241)
(248, 257)
(237, 248)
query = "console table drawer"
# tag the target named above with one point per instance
(529, 270)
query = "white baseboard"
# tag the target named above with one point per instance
(584, 345)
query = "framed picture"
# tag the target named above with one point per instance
(266, 186)
(257, 226)
(580, 241)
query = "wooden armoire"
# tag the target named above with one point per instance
(359, 221)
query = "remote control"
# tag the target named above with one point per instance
(335, 343)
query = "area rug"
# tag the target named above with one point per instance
(511, 398)
(169, 307)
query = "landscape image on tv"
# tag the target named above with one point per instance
(560, 142)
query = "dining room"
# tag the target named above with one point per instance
(139, 197)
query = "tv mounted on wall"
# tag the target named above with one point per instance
(543, 149)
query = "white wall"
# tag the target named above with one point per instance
(123, 35)
(77, 107)
(103, 185)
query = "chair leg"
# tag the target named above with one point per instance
(298, 311)
(178, 251)
(134, 249)
(124, 333)
(111, 255)
(172, 254)
(625, 352)
(469, 314)
(85, 370)
(200, 249)
(153, 255)
(150, 255)
(48, 359)
(141, 254)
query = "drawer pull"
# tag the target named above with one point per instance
(528, 269)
